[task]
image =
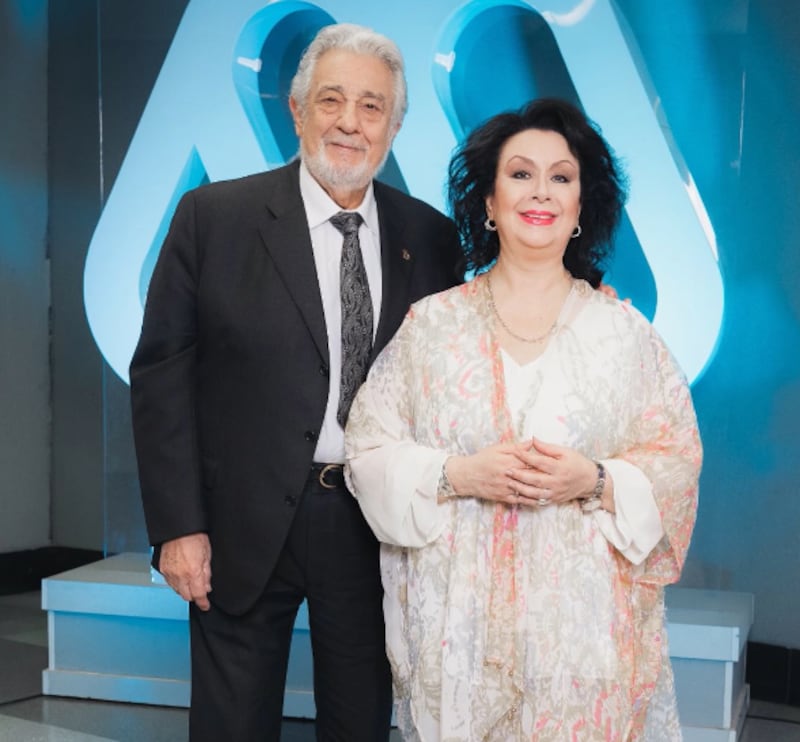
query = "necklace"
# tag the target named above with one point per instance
(538, 339)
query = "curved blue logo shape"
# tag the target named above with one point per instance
(219, 110)
(532, 66)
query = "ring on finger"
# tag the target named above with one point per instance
(542, 501)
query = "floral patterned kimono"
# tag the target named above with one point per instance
(516, 623)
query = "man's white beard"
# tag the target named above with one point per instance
(351, 178)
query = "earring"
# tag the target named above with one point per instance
(489, 225)
(577, 233)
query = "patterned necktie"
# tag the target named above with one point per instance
(356, 312)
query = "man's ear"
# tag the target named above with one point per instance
(297, 116)
(393, 133)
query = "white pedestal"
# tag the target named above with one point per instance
(708, 632)
(115, 634)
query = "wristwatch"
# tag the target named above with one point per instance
(446, 489)
(595, 500)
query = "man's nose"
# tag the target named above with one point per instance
(348, 117)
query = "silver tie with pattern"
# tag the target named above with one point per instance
(356, 312)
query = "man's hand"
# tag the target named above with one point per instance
(185, 563)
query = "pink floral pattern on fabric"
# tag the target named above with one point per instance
(513, 623)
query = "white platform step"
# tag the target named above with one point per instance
(708, 632)
(116, 634)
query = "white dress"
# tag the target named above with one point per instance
(508, 623)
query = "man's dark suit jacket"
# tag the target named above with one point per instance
(229, 380)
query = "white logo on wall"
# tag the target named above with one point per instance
(218, 111)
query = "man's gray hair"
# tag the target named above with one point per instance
(359, 40)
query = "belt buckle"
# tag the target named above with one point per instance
(324, 471)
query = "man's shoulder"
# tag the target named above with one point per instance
(241, 189)
(397, 199)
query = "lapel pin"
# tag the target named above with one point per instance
(406, 254)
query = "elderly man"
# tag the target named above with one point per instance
(271, 296)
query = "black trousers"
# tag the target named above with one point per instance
(239, 662)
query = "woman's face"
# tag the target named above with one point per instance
(536, 201)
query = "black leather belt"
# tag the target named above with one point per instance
(330, 476)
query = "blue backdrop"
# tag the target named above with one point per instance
(700, 101)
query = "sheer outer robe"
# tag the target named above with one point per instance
(461, 604)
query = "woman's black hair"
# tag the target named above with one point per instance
(473, 170)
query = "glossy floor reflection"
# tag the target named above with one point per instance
(27, 716)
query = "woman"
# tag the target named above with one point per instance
(527, 451)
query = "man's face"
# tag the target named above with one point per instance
(345, 129)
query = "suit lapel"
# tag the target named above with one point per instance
(397, 264)
(284, 230)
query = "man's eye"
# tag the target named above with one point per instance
(372, 107)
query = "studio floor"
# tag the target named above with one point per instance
(27, 716)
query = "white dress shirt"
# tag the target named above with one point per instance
(326, 242)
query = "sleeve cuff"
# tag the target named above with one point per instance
(635, 528)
